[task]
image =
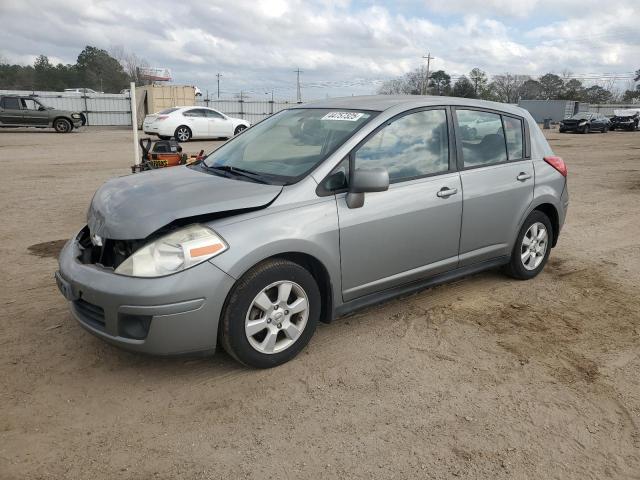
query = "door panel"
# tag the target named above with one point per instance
(219, 127)
(400, 235)
(494, 202)
(31, 114)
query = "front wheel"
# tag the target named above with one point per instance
(270, 314)
(532, 247)
(182, 133)
(239, 129)
(62, 125)
(585, 129)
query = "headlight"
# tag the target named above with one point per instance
(583, 122)
(177, 251)
(75, 115)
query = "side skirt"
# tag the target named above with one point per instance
(385, 295)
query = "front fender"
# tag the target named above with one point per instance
(311, 229)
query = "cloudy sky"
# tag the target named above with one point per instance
(342, 46)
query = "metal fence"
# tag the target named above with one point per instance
(251, 110)
(115, 109)
(99, 108)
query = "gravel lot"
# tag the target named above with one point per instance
(487, 377)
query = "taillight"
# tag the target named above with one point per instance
(558, 164)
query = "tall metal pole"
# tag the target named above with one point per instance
(218, 75)
(299, 91)
(426, 83)
(134, 123)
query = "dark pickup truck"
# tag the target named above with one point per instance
(28, 111)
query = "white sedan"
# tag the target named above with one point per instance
(185, 123)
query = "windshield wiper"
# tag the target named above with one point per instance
(241, 172)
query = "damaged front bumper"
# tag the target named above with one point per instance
(175, 314)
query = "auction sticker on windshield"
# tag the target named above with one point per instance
(348, 116)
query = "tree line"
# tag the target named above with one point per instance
(95, 68)
(508, 88)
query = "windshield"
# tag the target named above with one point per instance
(288, 145)
(582, 116)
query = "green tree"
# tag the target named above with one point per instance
(552, 86)
(597, 94)
(100, 71)
(463, 88)
(531, 90)
(479, 80)
(572, 90)
(439, 83)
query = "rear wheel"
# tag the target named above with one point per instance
(182, 133)
(62, 125)
(270, 314)
(532, 247)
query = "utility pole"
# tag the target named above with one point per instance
(218, 75)
(299, 92)
(428, 57)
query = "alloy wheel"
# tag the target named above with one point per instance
(534, 246)
(277, 317)
(183, 134)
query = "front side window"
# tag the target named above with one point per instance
(482, 138)
(30, 104)
(412, 146)
(513, 131)
(213, 114)
(289, 144)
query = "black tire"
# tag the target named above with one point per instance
(232, 334)
(62, 125)
(585, 129)
(83, 119)
(516, 267)
(164, 137)
(182, 133)
(239, 129)
(605, 129)
(562, 130)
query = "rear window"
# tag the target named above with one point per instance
(11, 103)
(482, 138)
(167, 111)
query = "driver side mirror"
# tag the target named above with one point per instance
(366, 180)
(41, 108)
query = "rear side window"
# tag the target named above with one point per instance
(482, 138)
(213, 114)
(196, 112)
(412, 146)
(10, 103)
(513, 131)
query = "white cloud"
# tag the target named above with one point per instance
(257, 45)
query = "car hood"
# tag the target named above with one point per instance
(134, 206)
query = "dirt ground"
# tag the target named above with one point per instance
(487, 377)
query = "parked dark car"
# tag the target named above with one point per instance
(625, 120)
(28, 111)
(585, 122)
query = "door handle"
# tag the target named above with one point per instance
(523, 177)
(446, 192)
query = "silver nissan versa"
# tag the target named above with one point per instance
(317, 211)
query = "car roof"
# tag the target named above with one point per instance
(380, 103)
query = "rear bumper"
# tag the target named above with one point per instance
(176, 314)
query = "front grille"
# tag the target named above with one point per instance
(92, 315)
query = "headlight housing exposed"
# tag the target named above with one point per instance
(174, 252)
(75, 115)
